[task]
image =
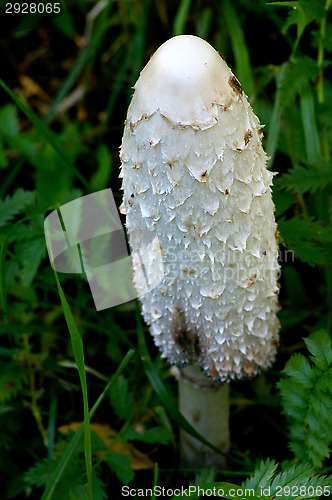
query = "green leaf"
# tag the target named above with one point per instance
(262, 475)
(40, 474)
(307, 399)
(77, 345)
(309, 239)
(31, 253)
(9, 123)
(296, 17)
(101, 178)
(180, 18)
(13, 205)
(122, 399)
(239, 46)
(297, 482)
(274, 125)
(84, 492)
(120, 465)
(282, 200)
(299, 367)
(310, 128)
(295, 78)
(153, 435)
(319, 344)
(307, 179)
(81, 492)
(303, 13)
(314, 10)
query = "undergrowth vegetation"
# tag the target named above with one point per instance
(65, 86)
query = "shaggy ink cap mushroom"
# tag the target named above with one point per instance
(192, 156)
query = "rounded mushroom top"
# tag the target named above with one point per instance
(185, 80)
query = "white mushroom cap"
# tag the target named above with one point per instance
(194, 175)
(185, 80)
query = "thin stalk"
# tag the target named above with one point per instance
(206, 408)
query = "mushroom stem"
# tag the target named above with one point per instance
(205, 404)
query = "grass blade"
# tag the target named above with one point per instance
(181, 17)
(77, 345)
(240, 50)
(155, 480)
(274, 126)
(312, 141)
(48, 493)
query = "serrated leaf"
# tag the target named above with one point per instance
(295, 476)
(295, 78)
(39, 475)
(325, 382)
(306, 237)
(295, 17)
(307, 179)
(120, 465)
(296, 398)
(287, 485)
(121, 399)
(318, 449)
(81, 492)
(13, 205)
(299, 368)
(307, 400)
(321, 405)
(262, 475)
(319, 344)
(314, 10)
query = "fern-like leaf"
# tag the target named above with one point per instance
(302, 179)
(297, 76)
(12, 205)
(262, 475)
(298, 482)
(307, 399)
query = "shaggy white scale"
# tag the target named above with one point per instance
(194, 174)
